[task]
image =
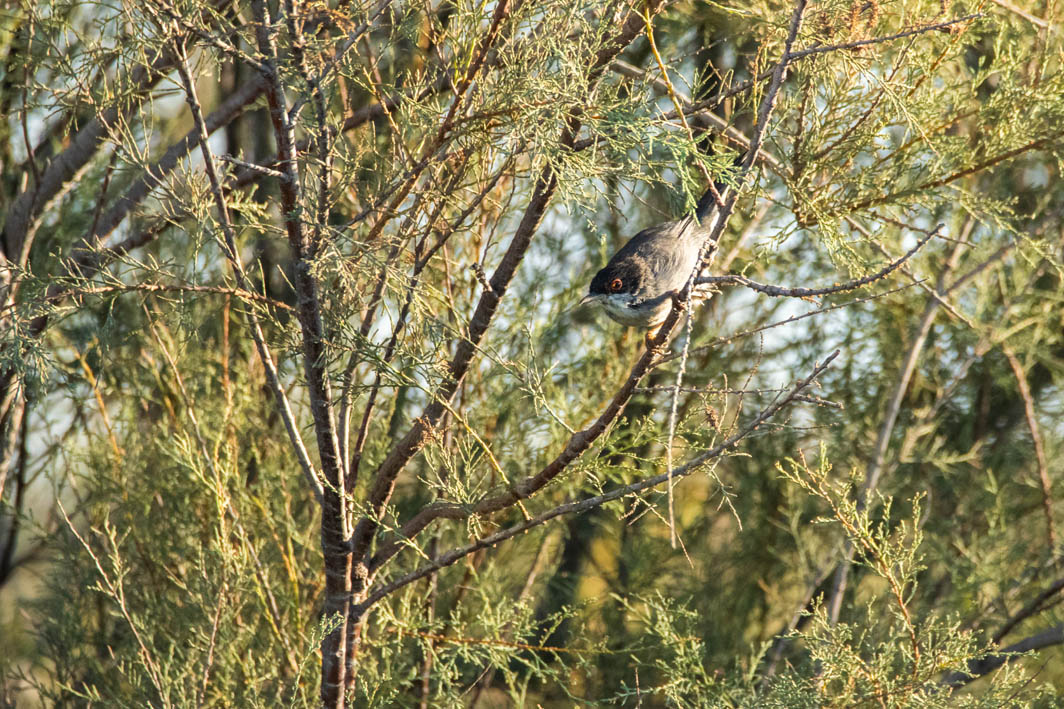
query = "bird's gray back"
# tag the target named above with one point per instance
(668, 251)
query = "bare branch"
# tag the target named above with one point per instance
(780, 291)
(922, 29)
(983, 666)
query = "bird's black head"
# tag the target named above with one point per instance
(621, 277)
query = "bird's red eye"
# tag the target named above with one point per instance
(615, 285)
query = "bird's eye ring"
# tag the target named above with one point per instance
(615, 285)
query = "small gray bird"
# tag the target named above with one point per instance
(637, 285)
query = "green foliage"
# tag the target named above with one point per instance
(159, 542)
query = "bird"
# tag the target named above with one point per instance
(636, 287)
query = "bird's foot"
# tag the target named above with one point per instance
(658, 348)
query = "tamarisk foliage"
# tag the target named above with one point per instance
(297, 407)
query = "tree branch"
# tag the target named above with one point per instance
(1036, 440)
(780, 291)
(334, 519)
(985, 665)
(578, 506)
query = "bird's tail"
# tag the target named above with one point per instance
(707, 204)
(718, 192)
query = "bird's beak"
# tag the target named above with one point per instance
(588, 299)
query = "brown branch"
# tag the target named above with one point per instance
(336, 676)
(985, 665)
(17, 438)
(780, 291)
(1030, 609)
(12, 426)
(1036, 439)
(922, 29)
(578, 506)
(421, 431)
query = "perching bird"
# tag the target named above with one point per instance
(636, 287)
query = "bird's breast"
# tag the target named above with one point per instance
(643, 314)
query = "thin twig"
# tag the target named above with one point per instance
(922, 29)
(786, 321)
(780, 291)
(261, 169)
